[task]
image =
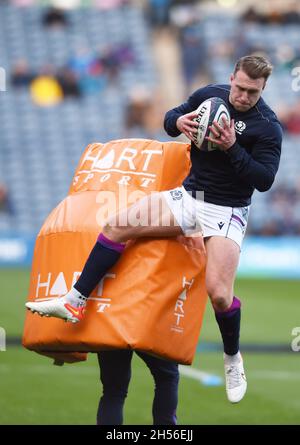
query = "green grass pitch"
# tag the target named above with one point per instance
(33, 391)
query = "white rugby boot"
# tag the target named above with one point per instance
(58, 307)
(236, 383)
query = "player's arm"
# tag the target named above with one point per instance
(260, 167)
(180, 119)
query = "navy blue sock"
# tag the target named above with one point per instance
(229, 323)
(103, 257)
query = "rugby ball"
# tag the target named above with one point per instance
(212, 109)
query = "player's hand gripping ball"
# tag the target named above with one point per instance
(212, 109)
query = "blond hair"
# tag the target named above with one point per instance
(254, 66)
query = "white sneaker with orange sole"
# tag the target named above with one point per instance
(57, 307)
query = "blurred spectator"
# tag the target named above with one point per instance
(290, 118)
(137, 111)
(21, 74)
(109, 4)
(251, 16)
(143, 115)
(45, 89)
(90, 84)
(88, 71)
(108, 58)
(55, 17)
(184, 2)
(114, 58)
(125, 55)
(82, 62)
(5, 204)
(274, 16)
(193, 52)
(158, 12)
(68, 82)
(292, 18)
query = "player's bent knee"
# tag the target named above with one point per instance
(114, 233)
(221, 302)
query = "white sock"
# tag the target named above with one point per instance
(75, 298)
(236, 358)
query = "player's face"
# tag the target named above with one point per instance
(244, 91)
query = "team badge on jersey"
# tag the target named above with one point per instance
(239, 126)
(176, 195)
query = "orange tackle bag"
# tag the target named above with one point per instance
(154, 299)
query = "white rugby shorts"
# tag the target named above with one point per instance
(195, 215)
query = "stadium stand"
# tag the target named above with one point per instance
(106, 54)
(40, 146)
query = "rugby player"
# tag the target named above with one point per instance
(247, 158)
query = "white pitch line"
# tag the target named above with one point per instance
(203, 377)
(211, 379)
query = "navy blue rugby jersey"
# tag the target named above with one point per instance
(229, 179)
